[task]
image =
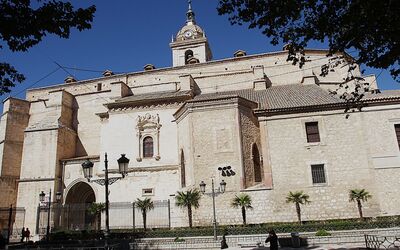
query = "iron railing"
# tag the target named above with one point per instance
(15, 217)
(382, 242)
(123, 215)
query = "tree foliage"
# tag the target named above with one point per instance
(188, 199)
(96, 209)
(298, 198)
(23, 26)
(145, 205)
(370, 27)
(359, 195)
(242, 201)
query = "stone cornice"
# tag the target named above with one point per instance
(144, 169)
(225, 74)
(144, 107)
(94, 92)
(10, 97)
(147, 102)
(217, 103)
(103, 115)
(188, 42)
(93, 158)
(37, 179)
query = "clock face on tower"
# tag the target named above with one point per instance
(188, 34)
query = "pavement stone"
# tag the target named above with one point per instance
(325, 247)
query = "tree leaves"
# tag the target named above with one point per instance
(188, 198)
(359, 195)
(8, 76)
(241, 200)
(22, 27)
(370, 27)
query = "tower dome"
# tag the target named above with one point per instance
(191, 30)
(190, 44)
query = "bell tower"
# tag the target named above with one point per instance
(190, 45)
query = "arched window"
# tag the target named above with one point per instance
(148, 147)
(256, 164)
(183, 170)
(188, 55)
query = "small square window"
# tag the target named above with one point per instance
(147, 191)
(318, 174)
(397, 130)
(312, 132)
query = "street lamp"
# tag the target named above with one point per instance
(87, 167)
(221, 189)
(42, 196)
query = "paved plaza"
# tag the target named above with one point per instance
(325, 247)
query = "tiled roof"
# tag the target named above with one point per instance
(155, 96)
(273, 99)
(384, 95)
(278, 97)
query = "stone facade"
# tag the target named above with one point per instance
(247, 112)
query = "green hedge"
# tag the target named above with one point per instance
(307, 226)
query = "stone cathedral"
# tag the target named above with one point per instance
(275, 125)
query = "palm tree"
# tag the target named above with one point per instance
(96, 209)
(243, 201)
(359, 195)
(298, 197)
(188, 199)
(145, 205)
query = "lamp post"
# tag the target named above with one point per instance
(221, 189)
(87, 167)
(42, 196)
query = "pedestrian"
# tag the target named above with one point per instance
(23, 234)
(27, 234)
(272, 239)
(223, 242)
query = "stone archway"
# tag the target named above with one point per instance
(80, 193)
(78, 199)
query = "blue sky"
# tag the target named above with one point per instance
(127, 34)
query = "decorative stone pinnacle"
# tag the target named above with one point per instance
(190, 14)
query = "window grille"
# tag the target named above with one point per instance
(318, 174)
(147, 191)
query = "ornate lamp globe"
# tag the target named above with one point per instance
(41, 196)
(123, 163)
(202, 187)
(87, 167)
(222, 186)
(58, 196)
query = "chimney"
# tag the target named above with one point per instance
(70, 79)
(239, 53)
(108, 73)
(286, 47)
(148, 67)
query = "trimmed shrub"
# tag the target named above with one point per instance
(322, 232)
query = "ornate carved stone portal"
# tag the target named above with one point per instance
(148, 126)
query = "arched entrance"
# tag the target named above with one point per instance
(80, 193)
(76, 214)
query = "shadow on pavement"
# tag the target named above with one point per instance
(311, 247)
